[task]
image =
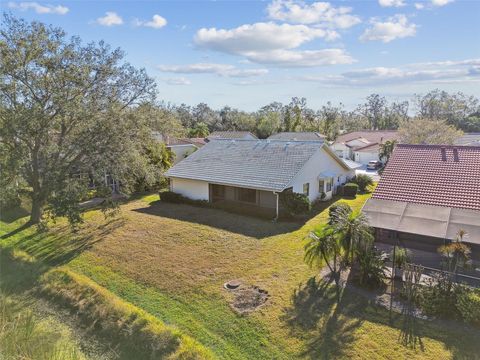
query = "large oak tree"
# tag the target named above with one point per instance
(67, 110)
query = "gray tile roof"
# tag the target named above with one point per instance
(300, 136)
(231, 135)
(469, 139)
(259, 164)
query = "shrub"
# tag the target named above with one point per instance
(350, 189)
(372, 267)
(363, 181)
(171, 197)
(439, 297)
(401, 257)
(468, 305)
(295, 203)
(337, 207)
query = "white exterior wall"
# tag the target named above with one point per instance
(320, 162)
(363, 157)
(180, 151)
(193, 189)
(342, 151)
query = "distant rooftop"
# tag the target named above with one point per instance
(259, 164)
(469, 139)
(372, 136)
(231, 135)
(300, 136)
(439, 175)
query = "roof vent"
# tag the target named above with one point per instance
(286, 146)
(444, 154)
(455, 155)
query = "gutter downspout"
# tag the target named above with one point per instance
(276, 207)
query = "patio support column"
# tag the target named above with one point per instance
(276, 206)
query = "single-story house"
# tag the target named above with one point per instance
(469, 139)
(254, 173)
(427, 193)
(362, 146)
(299, 136)
(246, 135)
(184, 147)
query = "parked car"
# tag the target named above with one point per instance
(374, 165)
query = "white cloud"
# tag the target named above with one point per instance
(322, 13)
(110, 19)
(395, 27)
(441, 2)
(391, 3)
(157, 22)
(210, 68)
(432, 72)
(178, 81)
(432, 4)
(305, 58)
(259, 37)
(270, 43)
(38, 8)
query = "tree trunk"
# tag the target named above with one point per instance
(37, 210)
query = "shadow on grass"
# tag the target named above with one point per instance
(12, 215)
(45, 250)
(317, 316)
(241, 224)
(328, 326)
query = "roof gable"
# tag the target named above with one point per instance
(259, 164)
(432, 174)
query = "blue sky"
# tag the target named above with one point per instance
(247, 53)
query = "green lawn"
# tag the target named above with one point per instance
(172, 260)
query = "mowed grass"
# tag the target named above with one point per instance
(172, 261)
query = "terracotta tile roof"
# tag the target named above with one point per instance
(439, 175)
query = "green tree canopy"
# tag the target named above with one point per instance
(427, 131)
(66, 114)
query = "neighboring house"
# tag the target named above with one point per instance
(254, 172)
(247, 135)
(362, 146)
(427, 193)
(299, 136)
(181, 148)
(184, 147)
(469, 139)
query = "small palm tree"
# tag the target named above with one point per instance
(353, 228)
(325, 248)
(457, 253)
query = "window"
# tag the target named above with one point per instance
(247, 195)
(306, 188)
(321, 186)
(329, 185)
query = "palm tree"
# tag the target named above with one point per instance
(353, 228)
(457, 254)
(325, 248)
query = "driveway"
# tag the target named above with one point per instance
(372, 173)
